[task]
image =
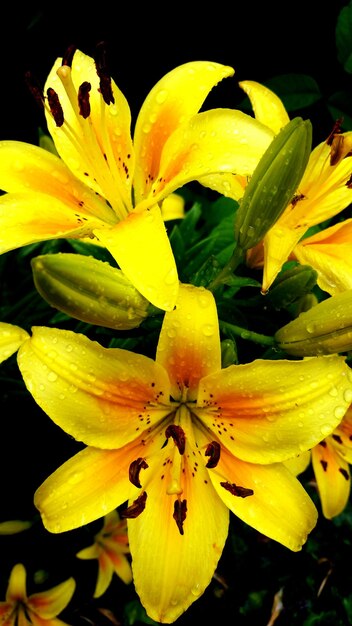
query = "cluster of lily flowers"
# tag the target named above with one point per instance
(177, 441)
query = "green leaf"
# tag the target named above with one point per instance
(344, 37)
(340, 107)
(296, 91)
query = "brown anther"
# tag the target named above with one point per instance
(236, 490)
(68, 56)
(83, 99)
(134, 470)
(336, 152)
(213, 450)
(34, 88)
(180, 511)
(55, 107)
(103, 73)
(137, 507)
(178, 436)
(336, 130)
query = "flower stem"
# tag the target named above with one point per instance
(250, 335)
(228, 270)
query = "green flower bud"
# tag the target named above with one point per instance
(229, 354)
(89, 290)
(291, 285)
(326, 328)
(273, 183)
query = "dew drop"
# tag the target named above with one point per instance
(348, 395)
(339, 412)
(161, 96)
(52, 377)
(208, 330)
(326, 430)
(196, 590)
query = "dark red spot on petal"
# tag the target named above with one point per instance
(324, 464)
(344, 473)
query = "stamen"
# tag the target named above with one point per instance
(137, 507)
(180, 510)
(236, 490)
(68, 56)
(178, 436)
(34, 88)
(103, 73)
(336, 151)
(134, 470)
(55, 107)
(213, 450)
(83, 99)
(336, 129)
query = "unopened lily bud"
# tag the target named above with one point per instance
(229, 354)
(325, 329)
(273, 183)
(89, 290)
(291, 286)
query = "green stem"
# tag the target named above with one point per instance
(228, 270)
(263, 340)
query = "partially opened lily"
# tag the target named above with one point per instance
(110, 548)
(39, 609)
(324, 191)
(108, 187)
(183, 441)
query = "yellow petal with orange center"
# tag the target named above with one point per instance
(29, 169)
(33, 217)
(333, 478)
(97, 149)
(172, 101)
(48, 604)
(11, 338)
(142, 249)
(329, 252)
(86, 487)
(189, 342)
(275, 504)
(267, 106)
(269, 411)
(180, 565)
(212, 142)
(104, 397)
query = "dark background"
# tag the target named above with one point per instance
(259, 39)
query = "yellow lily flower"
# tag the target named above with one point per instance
(11, 337)
(110, 547)
(108, 186)
(183, 441)
(324, 191)
(39, 609)
(330, 460)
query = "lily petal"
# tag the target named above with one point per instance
(86, 487)
(11, 338)
(341, 438)
(329, 252)
(211, 142)
(98, 149)
(48, 604)
(279, 507)
(142, 249)
(269, 411)
(179, 566)
(31, 217)
(17, 584)
(333, 478)
(25, 168)
(172, 101)
(98, 395)
(278, 245)
(267, 106)
(189, 341)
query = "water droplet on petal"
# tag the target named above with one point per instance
(348, 395)
(52, 377)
